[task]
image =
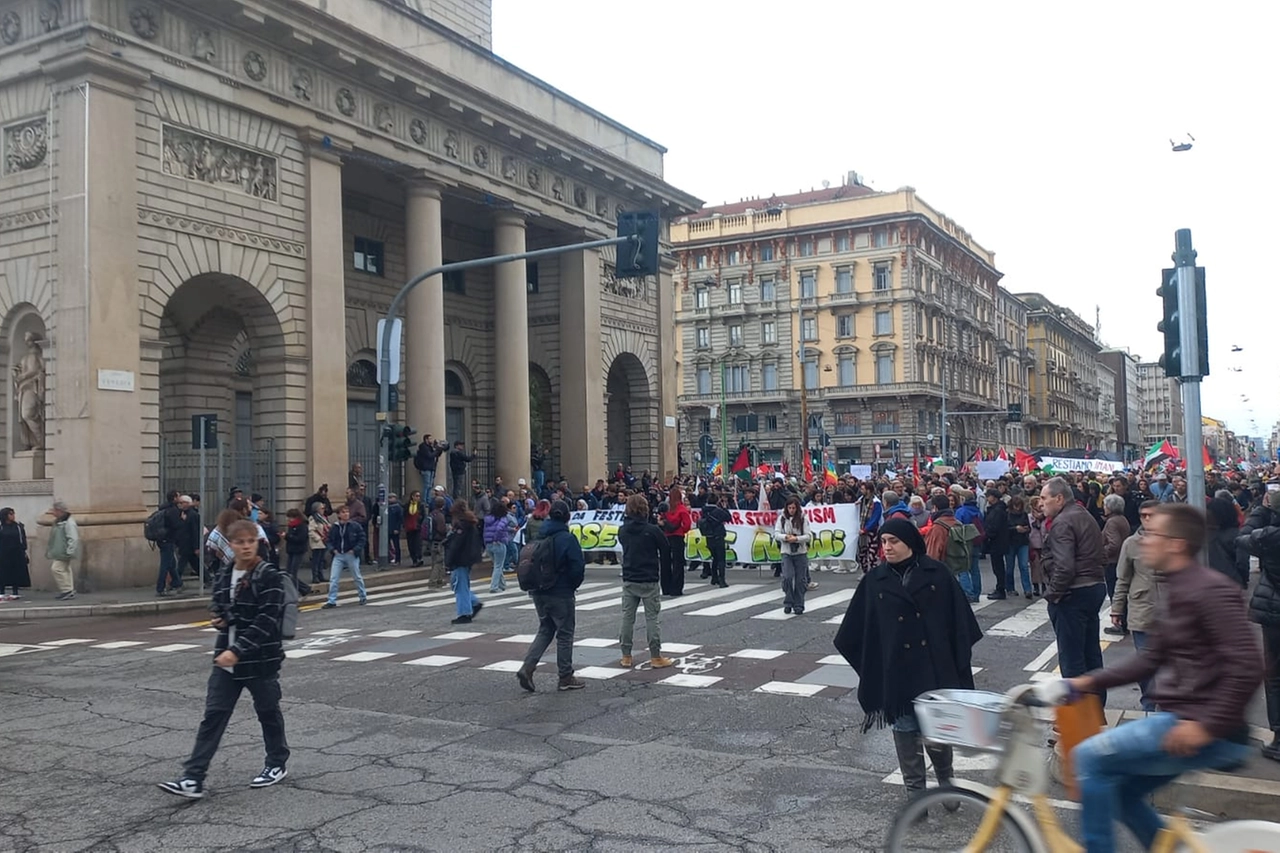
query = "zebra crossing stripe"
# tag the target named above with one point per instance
(835, 598)
(772, 596)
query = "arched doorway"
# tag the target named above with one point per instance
(224, 356)
(631, 416)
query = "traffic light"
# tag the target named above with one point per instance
(639, 257)
(1171, 326)
(399, 442)
(1015, 413)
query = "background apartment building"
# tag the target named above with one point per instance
(1064, 387)
(1128, 402)
(1161, 405)
(871, 306)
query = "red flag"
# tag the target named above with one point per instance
(915, 470)
(808, 469)
(742, 463)
(1024, 462)
(1002, 456)
(977, 455)
(1208, 462)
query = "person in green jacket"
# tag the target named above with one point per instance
(64, 544)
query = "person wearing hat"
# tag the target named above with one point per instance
(64, 544)
(908, 630)
(1161, 489)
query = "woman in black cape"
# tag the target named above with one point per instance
(908, 630)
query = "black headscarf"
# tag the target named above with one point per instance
(900, 528)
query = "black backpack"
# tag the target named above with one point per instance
(156, 528)
(536, 570)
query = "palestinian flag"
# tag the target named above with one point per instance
(1024, 462)
(1162, 450)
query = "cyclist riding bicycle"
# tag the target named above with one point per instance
(1204, 664)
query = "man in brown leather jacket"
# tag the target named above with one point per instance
(1205, 665)
(1072, 560)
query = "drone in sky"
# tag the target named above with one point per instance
(1184, 145)
(1237, 349)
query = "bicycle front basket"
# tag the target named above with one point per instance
(969, 719)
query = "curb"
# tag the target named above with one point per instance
(372, 579)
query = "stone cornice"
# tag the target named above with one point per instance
(203, 228)
(98, 67)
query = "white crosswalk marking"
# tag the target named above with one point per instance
(1043, 658)
(69, 642)
(511, 596)
(822, 601)
(174, 647)
(610, 597)
(1023, 623)
(772, 596)
(118, 644)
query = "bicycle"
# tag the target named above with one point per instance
(1010, 725)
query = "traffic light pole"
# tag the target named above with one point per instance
(1184, 261)
(384, 348)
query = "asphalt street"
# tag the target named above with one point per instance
(411, 734)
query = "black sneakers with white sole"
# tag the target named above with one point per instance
(188, 789)
(268, 777)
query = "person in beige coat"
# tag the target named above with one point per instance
(1133, 606)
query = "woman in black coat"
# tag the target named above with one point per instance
(908, 630)
(14, 562)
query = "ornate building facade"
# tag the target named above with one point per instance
(1064, 381)
(871, 306)
(207, 205)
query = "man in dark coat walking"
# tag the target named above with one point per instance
(908, 630)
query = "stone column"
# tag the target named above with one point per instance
(511, 339)
(668, 375)
(94, 427)
(582, 392)
(424, 321)
(327, 459)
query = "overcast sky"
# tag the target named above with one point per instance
(1042, 128)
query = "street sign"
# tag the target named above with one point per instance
(397, 328)
(204, 432)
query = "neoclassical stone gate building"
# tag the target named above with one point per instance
(206, 206)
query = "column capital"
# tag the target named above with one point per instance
(517, 218)
(322, 145)
(421, 187)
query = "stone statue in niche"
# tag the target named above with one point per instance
(28, 393)
(451, 145)
(509, 168)
(557, 189)
(210, 161)
(383, 119)
(51, 15)
(301, 83)
(202, 46)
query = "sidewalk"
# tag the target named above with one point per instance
(142, 601)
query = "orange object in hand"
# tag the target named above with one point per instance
(1077, 722)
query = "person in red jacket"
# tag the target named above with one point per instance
(675, 521)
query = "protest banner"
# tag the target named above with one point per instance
(1060, 463)
(748, 538)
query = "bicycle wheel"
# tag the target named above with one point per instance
(932, 822)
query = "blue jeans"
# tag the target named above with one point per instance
(1022, 555)
(1120, 767)
(352, 562)
(539, 481)
(464, 598)
(1140, 643)
(168, 568)
(428, 481)
(971, 581)
(497, 553)
(513, 556)
(1076, 625)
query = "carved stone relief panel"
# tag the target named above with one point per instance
(580, 196)
(212, 161)
(509, 168)
(25, 145)
(51, 15)
(533, 177)
(202, 45)
(10, 27)
(145, 21)
(480, 156)
(602, 206)
(557, 189)
(452, 145)
(302, 84)
(255, 67)
(345, 101)
(418, 131)
(384, 118)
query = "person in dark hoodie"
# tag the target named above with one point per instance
(996, 523)
(642, 546)
(555, 606)
(297, 547)
(908, 630)
(711, 524)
